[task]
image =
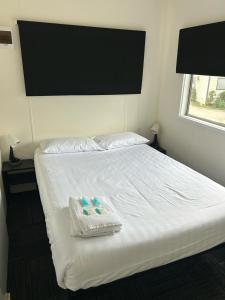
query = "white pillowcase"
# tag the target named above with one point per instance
(119, 140)
(69, 145)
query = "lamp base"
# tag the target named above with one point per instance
(155, 143)
(13, 161)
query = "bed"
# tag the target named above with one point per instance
(168, 212)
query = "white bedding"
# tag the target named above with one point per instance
(168, 212)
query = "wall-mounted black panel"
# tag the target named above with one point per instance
(79, 60)
(201, 50)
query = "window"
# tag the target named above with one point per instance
(204, 98)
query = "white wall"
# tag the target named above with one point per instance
(3, 241)
(35, 118)
(200, 147)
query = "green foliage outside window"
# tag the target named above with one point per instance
(211, 97)
(220, 102)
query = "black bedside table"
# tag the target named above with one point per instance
(158, 148)
(19, 178)
(26, 227)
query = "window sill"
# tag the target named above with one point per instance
(203, 123)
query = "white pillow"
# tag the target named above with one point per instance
(69, 145)
(119, 140)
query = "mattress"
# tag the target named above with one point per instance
(168, 212)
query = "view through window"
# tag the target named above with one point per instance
(207, 98)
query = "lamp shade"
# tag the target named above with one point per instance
(12, 140)
(155, 128)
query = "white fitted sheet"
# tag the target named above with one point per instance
(168, 212)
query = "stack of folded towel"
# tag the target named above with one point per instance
(93, 217)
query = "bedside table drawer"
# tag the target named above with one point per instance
(15, 177)
(22, 187)
(19, 178)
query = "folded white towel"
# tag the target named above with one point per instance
(93, 224)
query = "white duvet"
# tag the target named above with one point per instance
(168, 212)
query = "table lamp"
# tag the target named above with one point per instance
(12, 142)
(155, 131)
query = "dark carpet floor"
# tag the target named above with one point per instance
(31, 274)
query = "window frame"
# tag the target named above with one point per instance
(185, 102)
